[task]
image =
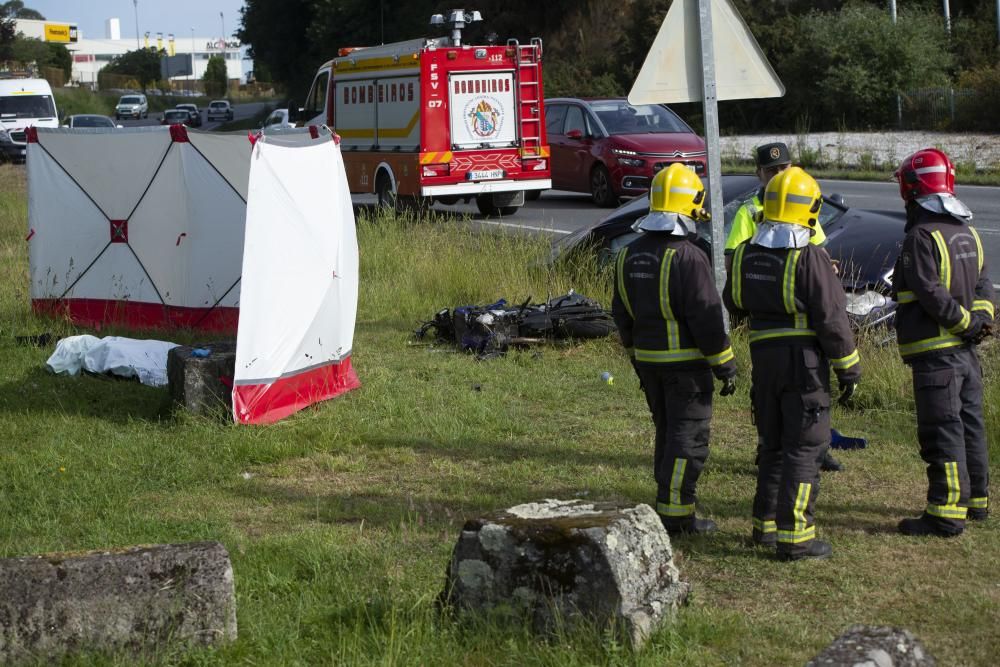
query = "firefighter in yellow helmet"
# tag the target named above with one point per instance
(669, 315)
(798, 329)
(771, 159)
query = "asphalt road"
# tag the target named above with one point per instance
(240, 111)
(558, 212)
(984, 202)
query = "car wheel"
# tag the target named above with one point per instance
(384, 193)
(600, 187)
(486, 207)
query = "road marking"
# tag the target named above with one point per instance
(987, 231)
(549, 230)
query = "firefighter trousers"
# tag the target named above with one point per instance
(948, 392)
(681, 405)
(791, 404)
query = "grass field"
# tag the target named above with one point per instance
(340, 520)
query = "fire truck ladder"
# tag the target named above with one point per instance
(529, 79)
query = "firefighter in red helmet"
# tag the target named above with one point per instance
(946, 307)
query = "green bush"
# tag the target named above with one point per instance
(976, 110)
(847, 66)
(70, 101)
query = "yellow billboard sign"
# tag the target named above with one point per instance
(60, 32)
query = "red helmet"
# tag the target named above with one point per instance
(926, 172)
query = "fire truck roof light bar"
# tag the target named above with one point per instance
(457, 19)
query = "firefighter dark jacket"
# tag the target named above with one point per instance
(793, 297)
(666, 306)
(941, 284)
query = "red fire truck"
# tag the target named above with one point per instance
(435, 120)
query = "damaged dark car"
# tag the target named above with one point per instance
(864, 243)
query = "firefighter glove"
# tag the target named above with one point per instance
(728, 387)
(980, 328)
(847, 390)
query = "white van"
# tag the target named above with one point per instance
(23, 103)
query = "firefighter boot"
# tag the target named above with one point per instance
(689, 526)
(830, 464)
(977, 514)
(769, 540)
(921, 527)
(817, 549)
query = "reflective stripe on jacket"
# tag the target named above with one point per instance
(666, 306)
(939, 280)
(792, 296)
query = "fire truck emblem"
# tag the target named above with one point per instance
(484, 118)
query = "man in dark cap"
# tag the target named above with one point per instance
(771, 160)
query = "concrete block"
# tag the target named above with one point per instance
(871, 646)
(202, 384)
(558, 562)
(133, 599)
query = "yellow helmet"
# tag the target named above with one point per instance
(793, 196)
(677, 189)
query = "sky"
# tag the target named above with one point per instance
(166, 16)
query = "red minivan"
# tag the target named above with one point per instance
(612, 149)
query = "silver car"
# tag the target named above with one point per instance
(132, 106)
(220, 109)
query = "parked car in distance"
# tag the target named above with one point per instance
(90, 120)
(132, 106)
(220, 109)
(277, 118)
(195, 113)
(864, 242)
(612, 149)
(176, 117)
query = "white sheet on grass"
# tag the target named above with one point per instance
(124, 357)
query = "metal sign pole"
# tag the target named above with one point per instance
(710, 106)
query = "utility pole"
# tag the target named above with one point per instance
(135, 5)
(710, 111)
(224, 63)
(947, 17)
(899, 99)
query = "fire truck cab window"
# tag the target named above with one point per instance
(575, 120)
(316, 102)
(554, 117)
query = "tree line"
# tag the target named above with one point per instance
(843, 62)
(18, 52)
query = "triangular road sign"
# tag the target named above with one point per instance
(672, 72)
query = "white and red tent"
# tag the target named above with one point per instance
(300, 280)
(147, 226)
(142, 226)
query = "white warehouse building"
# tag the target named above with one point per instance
(90, 55)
